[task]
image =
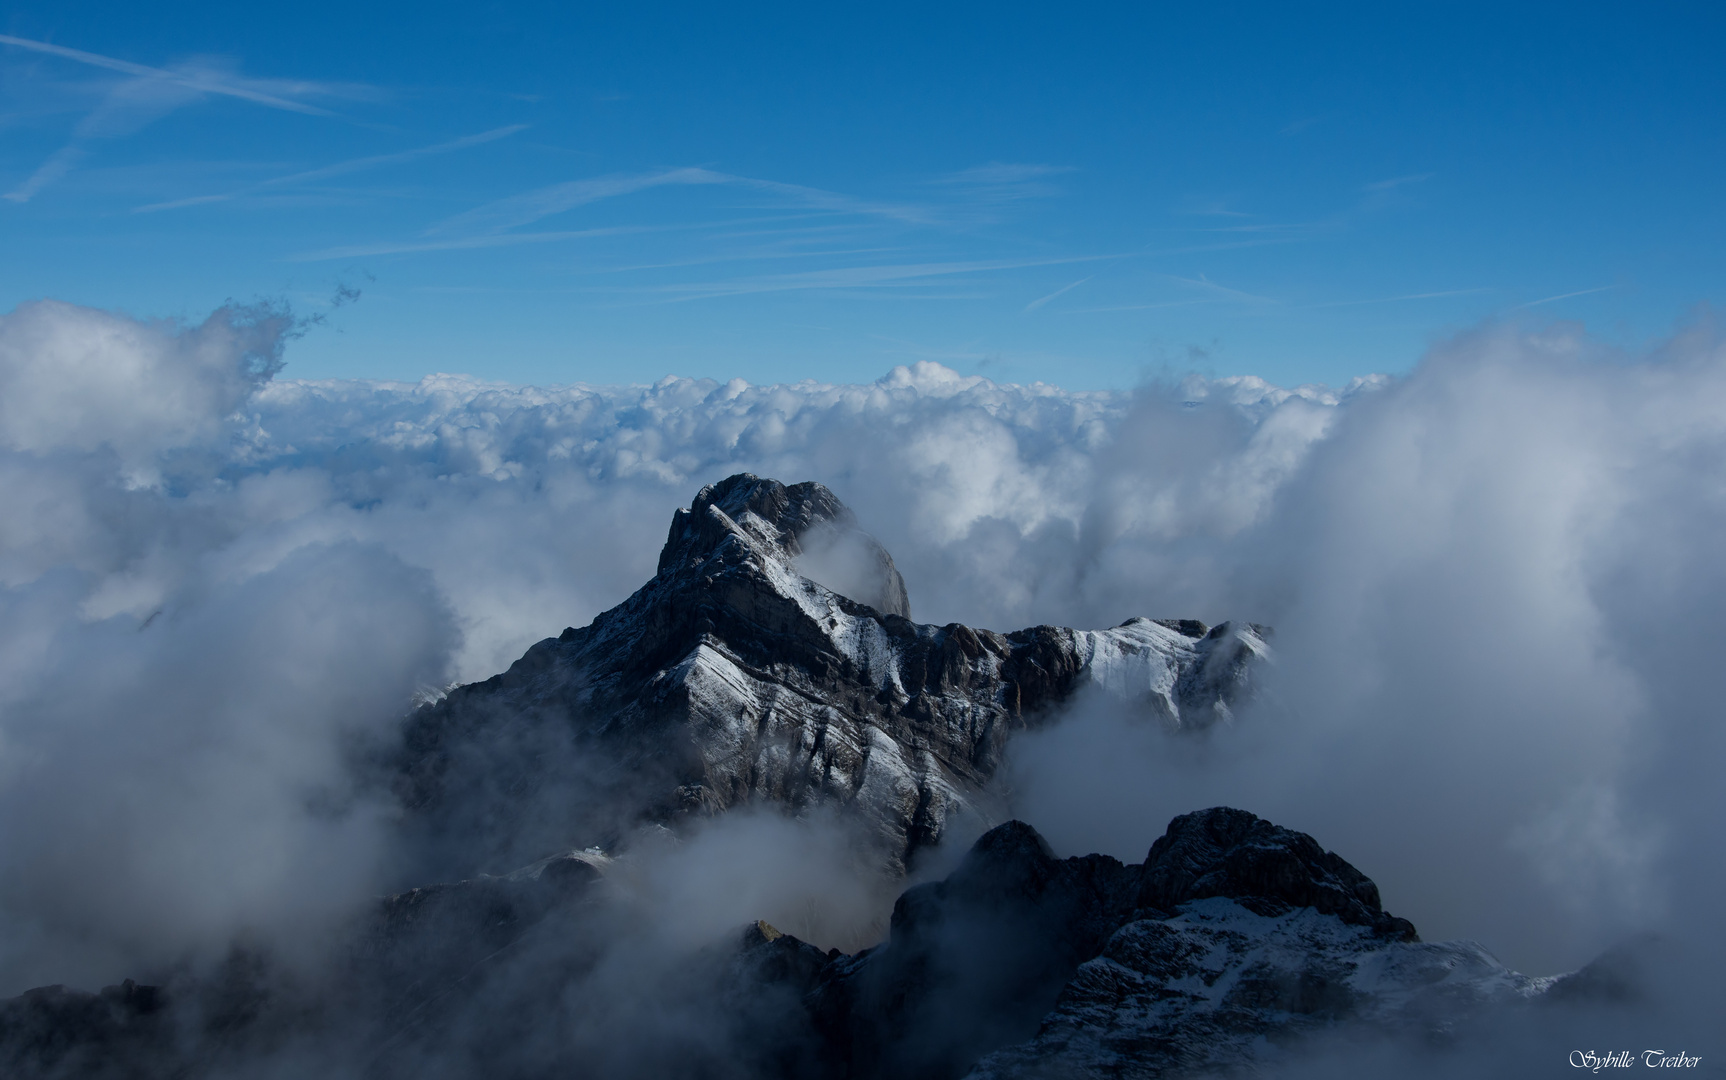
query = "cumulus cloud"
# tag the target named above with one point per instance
(76, 379)
(167, 790)
(1492, 583)
(538, 508)
(1473, 697)
(180, 698)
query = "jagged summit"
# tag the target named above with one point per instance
(1227, 852)
(803, 523)
(742, 673)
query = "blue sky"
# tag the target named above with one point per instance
(1085, 195)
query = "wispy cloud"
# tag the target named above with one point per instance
(1566, 296)
(343, 168)
(1223, 292)
(149, 94)
(468, 243)
(127, 107)
(530, 206)
(1399, 299)
(1041, 300)
(1396, 181)
(753, 255)
(1210, 292)
(264, 92)
(59, 163)
(1290, 227)
(1148, 306)
(852, 277)
(1215, 209)
(500, 240)
(998, 173)
(838, 202)
(988, 189)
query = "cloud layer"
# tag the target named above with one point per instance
(1493, 583)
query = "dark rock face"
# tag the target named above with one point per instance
(973, 962)
(732, 677)
(977, 961)
(55, 1032)
(1232, 853)
(1231, 942)
(421, 955)
(1232, 932)
(181, 1028)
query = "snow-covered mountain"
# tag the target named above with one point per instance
(772, 661)
(736, 675)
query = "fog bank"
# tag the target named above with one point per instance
(1493, 584)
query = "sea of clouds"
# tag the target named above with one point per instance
(1495, 583)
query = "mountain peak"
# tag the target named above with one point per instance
(1232, 853)
(803, 526)
(772, 659)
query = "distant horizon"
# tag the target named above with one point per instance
(1150, 380)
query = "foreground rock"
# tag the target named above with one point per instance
(1233, 940)
(1232, 948)
(734, 677)
(118, 1032)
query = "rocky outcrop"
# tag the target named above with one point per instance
(734, 676)
(1233, 938)
(1229, 946)
(1270, 869)
(119, 1032)
(421, 956)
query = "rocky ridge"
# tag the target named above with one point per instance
(733, 677)
(1225, 952)
(1231, 941)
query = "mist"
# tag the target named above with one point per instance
(1493, 582)
(1480, 581)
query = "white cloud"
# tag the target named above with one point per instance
(77, 379)
(201, 78)
(344, 168)
(149, 93)
(1493, 582)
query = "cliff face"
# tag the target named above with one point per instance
(733, 676)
